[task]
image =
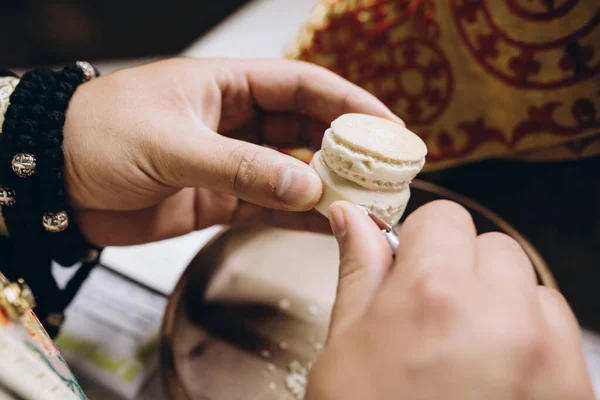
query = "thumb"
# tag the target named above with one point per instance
(365, 259)
(250, 172)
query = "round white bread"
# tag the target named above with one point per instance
(373, 152)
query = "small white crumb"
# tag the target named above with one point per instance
(313, 309)
(295, 381)
(296, 384)
(285, 304)
(270, 367)
(296, 367)
(272, 386)
(265, 353)
(318, 346)
(283, 345)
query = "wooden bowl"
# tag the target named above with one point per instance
(253, 301)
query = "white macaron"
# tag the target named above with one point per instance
(369, 161)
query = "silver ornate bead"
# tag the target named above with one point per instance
(89, 72)
(23, 164)
(7, 196)
(55, 222)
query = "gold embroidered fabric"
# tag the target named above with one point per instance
(30, 362)
(7, 87)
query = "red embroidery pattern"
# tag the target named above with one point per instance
(391, 48)
(411, 75)
(484, 36)
(475, 134)
(541, 10)
(542, 120)
(427, 70)
(578, 147)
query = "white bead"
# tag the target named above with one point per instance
(24, 164)
(55, 222)
(88, 71)
(7, 196)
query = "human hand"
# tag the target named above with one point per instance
(143, 161)
(457, 316)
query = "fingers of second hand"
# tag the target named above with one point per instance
(364, 262)
(565, 334)
(558, 315)
(500, 258)
(387, 230)
(362, 232)
(439, 237)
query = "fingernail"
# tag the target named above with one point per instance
(299, 187)
(338, 223)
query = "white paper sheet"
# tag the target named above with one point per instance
(111, 332)
(158, 265)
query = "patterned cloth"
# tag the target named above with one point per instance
(30, 363)
(476, 79)
(7, 87)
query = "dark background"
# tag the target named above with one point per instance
(42, 32)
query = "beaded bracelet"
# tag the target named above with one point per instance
(17, 118)
(38, 114)
(31, 170)
(29, 258)
(50, 158)
(17, 147)
(8, 83)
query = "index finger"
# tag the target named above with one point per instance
(286, 85)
